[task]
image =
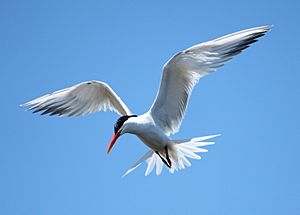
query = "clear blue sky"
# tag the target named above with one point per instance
(51, 165)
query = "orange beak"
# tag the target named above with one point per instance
(113, 140)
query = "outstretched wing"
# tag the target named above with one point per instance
(182, 72)
(81, 99)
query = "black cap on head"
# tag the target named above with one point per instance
(121, 121)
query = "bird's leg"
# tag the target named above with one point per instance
(168, 158)
(165, 162)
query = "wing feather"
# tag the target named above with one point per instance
(81, 99)
(183, 71)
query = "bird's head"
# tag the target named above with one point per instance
(121, 127)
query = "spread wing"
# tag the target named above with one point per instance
(182, 72)
(81, 99)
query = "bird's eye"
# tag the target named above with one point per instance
(119, 123)
(117, 128)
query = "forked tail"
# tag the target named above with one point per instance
(179, 154)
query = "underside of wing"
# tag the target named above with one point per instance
(81, 99)
(183, 71)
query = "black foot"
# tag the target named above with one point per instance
(168, 158)
(167, 162)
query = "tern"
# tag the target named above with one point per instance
(154, 128)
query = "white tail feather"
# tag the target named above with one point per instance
(139, 162)
(181, 150)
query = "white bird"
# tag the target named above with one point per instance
(180, 74)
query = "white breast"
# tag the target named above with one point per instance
(148, 132)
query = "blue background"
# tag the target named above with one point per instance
(52, 165)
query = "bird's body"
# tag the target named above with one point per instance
(144, 128)
(154, 128)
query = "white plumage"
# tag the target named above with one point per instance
(81, 99)
(180, 74)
